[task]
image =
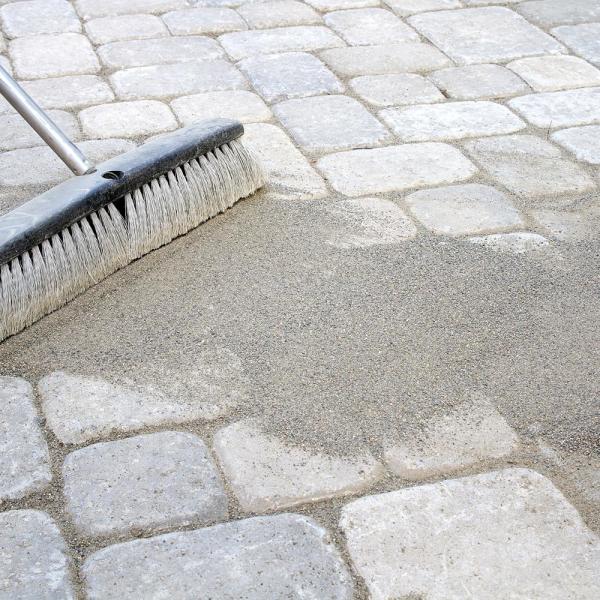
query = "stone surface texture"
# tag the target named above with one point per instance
(125, 27)
(582, 142)
(584, 40)
(394, 90)
(203, 21)
(36, 17)
(516, 243)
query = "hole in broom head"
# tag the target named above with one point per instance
(112, 174)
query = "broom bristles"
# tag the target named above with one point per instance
(54, 272)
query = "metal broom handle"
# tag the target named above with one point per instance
(65, 149)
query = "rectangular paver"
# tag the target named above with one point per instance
(203, 21)
(36, 17)
(89, 9)
(395, 90)
(285, 13)
(549, 13)
(17, 133)
(582, 39)
(125, 27)
(405, 8)
(74, 91)
(582, 142)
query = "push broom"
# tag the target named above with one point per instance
(62, 242)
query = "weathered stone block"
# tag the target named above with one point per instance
(125, 27)
(395, 90)
(36, 17)
(262, 15)
(203, 20)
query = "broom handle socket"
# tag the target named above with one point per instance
(66, 150)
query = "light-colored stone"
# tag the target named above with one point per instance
(141, 53)
(396, 168)
(481, 35)
(36, 17)
(267, 474)
(505, 534)
(148, 482)
(289, 75)
(42, 56)
(329, 5)
(2, 43)
(242, 44)
(34, 564)
(236, 104)
(529, 166)
(566, 226)
(560, 109)
(405, 8)
(521, 242)
(395, 90)
(24, 459)
(552, 73)
(582, 39)
(127, 119)
(469, 434)
(17, 133)
(283, 556)
(164, 81)
(583, 142)
(49, 169)
(369, 26)
(5, 64)
(203, 20)
(89, 9)
(289, 176)
(479, 82)
(262, 15)
(125, 27)
(326, 123)
(75, 91)
(408, 57)
(450, 121)
(365, 222)
(549, 13)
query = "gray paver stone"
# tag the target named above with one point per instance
(147, 482)
(89, 9)
(262, 15)
(125, 27)
(394, 90)
(580, 141)
(5, 64)
(203, 20)
(16, 132)
(520, 242)
(24, 459)
(405, 8)
(329, 5)
(567, 226)
(549, 13)
(281, 557)
(582, 39)
(36, 17)
(504, 534)
(34, 563)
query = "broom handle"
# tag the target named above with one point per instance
(65, 149)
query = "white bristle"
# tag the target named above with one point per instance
(54, 272)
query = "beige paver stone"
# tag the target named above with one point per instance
(17, 133)
(241, 44)
(407, 57)
(262, 15)
(37, 57)
(504, 534)
(469, 434)
(520, 242)
(560, 109)
(395, 90)
(529, 166)
(125, 27)
(235, 104)
(395, 168)
(582, 142)
(450, 121)
(266, 473)
(581, 39)
(289, 175)
(326, 123)
(74, 91)
(405, 8)
(36, 17)
(369, 26)
(89, 9)
(203, 21)
(549, 13)
(474, 82)
(283, 556)
(482, 35)
(553, 73)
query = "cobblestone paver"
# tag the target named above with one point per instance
(460, 123)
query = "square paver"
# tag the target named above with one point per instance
(242, 44)
(481, 35)
(283, 556)
(145, 482)
(582, 39)
(203, 21)
(405, 8)
(35, 563)
(395, 168)
(408, 57)
(125, 27)
(369, 26)
(263, 15)
(549, 13)
(464, 209)
(450, 121)
(289, 75)
(89, 9)
(42, 56)
(36, 17)
(17, 133)
(395, 90)
(326, 123)
(529, 166)
(553, 73)
(582, 142)
(235, 104)
(74, 91)
(474, 82)
(505, 534)
(24, 458)
(560, 109)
